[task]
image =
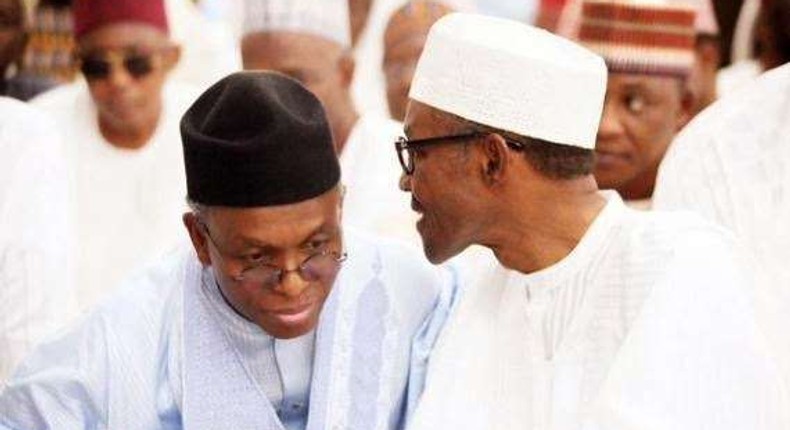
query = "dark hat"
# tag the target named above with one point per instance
(257, 139)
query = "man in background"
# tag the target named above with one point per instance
(120, 131)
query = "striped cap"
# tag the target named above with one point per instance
(654, 38)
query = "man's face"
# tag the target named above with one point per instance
(400, 61)
(237, 241)
(313, 61)
(129, 97)
(12, 34)
(442, 186)
(641, 116)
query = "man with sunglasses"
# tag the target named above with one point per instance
(120, 128)
(599, 316)
(275, 319)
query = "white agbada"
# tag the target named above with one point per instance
(127, 203)
(157, 355)
(35, 276)
(371, 170)
(647, 324)
(732, 165)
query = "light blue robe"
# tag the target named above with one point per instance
(153, 357)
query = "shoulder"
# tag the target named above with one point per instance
(693, 253)
(61, 97)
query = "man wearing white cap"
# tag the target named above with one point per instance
(310, 41)
(599, 317)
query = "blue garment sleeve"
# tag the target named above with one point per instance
(426, 338)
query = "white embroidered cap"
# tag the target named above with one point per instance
(513, 77)
(325, 18)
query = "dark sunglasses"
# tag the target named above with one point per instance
(99, 66)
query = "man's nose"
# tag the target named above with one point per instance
(292, 284)
(405, 182)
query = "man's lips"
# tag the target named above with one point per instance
(293, 315)
(604, 159)
(415, 205)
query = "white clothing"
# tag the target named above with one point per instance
(156, 356)
(209, 49)
(35, 278)
(732, 166)
(127, 203)
(370, 172)
(646, 324)
(736, 76)
(282, 367)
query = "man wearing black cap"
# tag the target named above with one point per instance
(277, 320)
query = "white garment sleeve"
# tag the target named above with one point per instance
(35, 276)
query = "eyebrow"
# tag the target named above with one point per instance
(261, 244)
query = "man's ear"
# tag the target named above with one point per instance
(347, 67)
(495, 160)
(172, 57)
(687, 103)
(198, 238)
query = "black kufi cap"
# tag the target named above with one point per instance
(257, 139)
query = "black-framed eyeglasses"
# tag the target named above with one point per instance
(404, 147)
(98, 65)
(319, 266)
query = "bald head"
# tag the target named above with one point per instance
(404, 39)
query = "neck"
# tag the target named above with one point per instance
(342, 124)
(537, 234)
(128, 138)
(641, 187)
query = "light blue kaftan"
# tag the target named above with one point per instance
(155, 355)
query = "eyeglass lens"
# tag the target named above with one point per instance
(137, 65)
(315, 268)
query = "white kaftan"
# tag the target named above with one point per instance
(127, 203)
(647, 324)
(732, 166)
(35, 276)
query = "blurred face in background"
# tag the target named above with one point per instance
(404, 40)
(125, 66)
(641, 116)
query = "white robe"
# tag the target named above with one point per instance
(35, 274)
(373, 201)
(647, 324)
(155, 356)
(732, 165)
(127, 203)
